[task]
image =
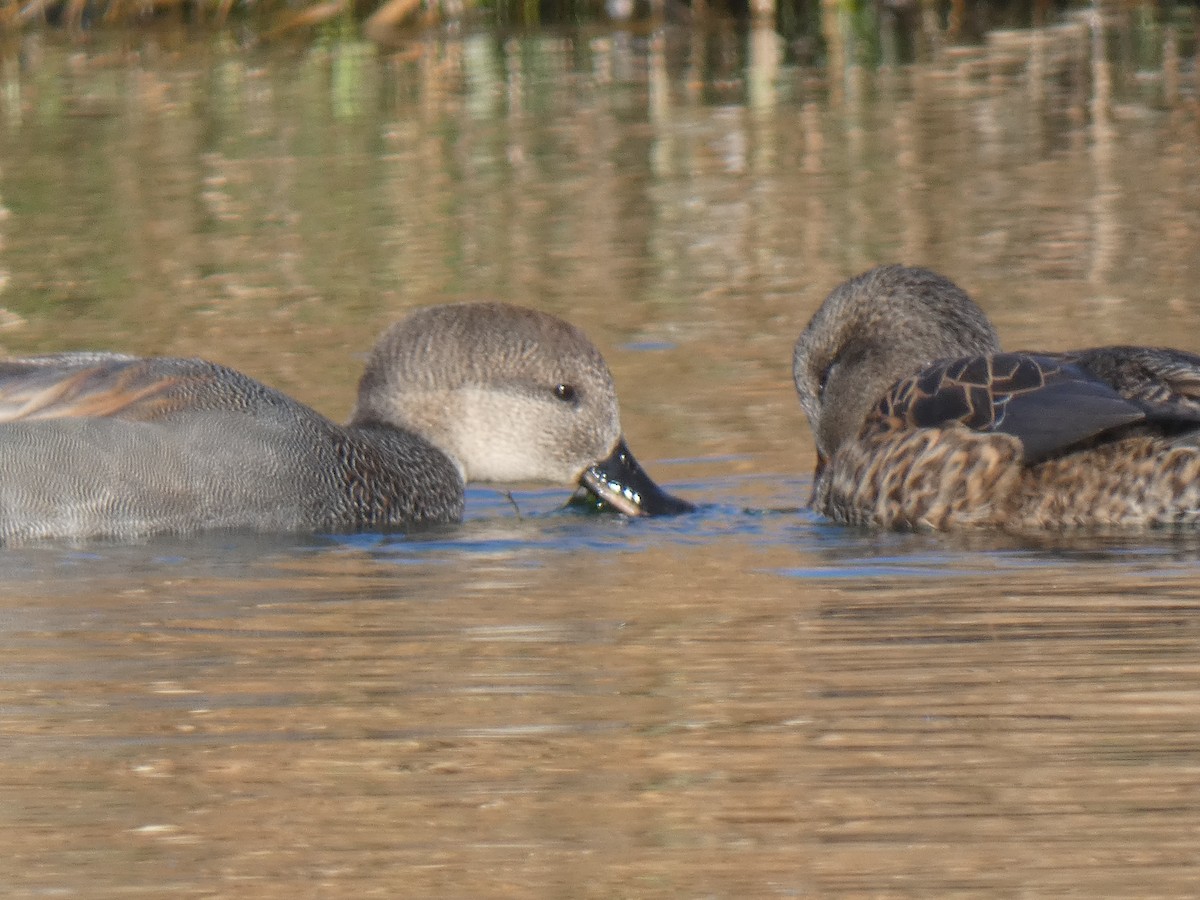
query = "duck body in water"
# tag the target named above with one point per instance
(98, 445)
(922, 421)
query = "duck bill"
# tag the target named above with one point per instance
(620, 482)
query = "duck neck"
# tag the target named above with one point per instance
(394, 476)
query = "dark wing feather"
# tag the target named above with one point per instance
(1166, 382)
(98, 385)
(1048, 402)
(1064, 413)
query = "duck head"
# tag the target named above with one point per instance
(870, 332)
(509, 394)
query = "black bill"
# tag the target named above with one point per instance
(619, 482)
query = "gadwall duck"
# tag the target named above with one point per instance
(921, 421)
(105, 445)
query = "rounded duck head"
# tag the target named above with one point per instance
(870, 332)
(508, 394)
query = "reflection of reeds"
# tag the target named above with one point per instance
(878, 29)
(699, 170)
(273, 17)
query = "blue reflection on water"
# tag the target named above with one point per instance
(532, 528)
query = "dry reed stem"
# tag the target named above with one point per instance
(316, 14)
(389, 16)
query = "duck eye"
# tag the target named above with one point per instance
(565, 392)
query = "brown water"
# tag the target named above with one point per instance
(744, 702)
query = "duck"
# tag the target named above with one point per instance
(922, 422)
(106, 445)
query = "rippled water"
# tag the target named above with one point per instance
(743, 702)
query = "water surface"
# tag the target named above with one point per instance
(744, 702)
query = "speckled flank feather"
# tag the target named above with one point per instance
(1136, 482)
(923, 478)
(949, 478)
(1106, 437)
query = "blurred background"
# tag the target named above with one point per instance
(270, 184)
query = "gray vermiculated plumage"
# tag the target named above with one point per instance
(202, 447)
(942, 434)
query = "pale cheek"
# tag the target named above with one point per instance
(501, 459)
(511, 439)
